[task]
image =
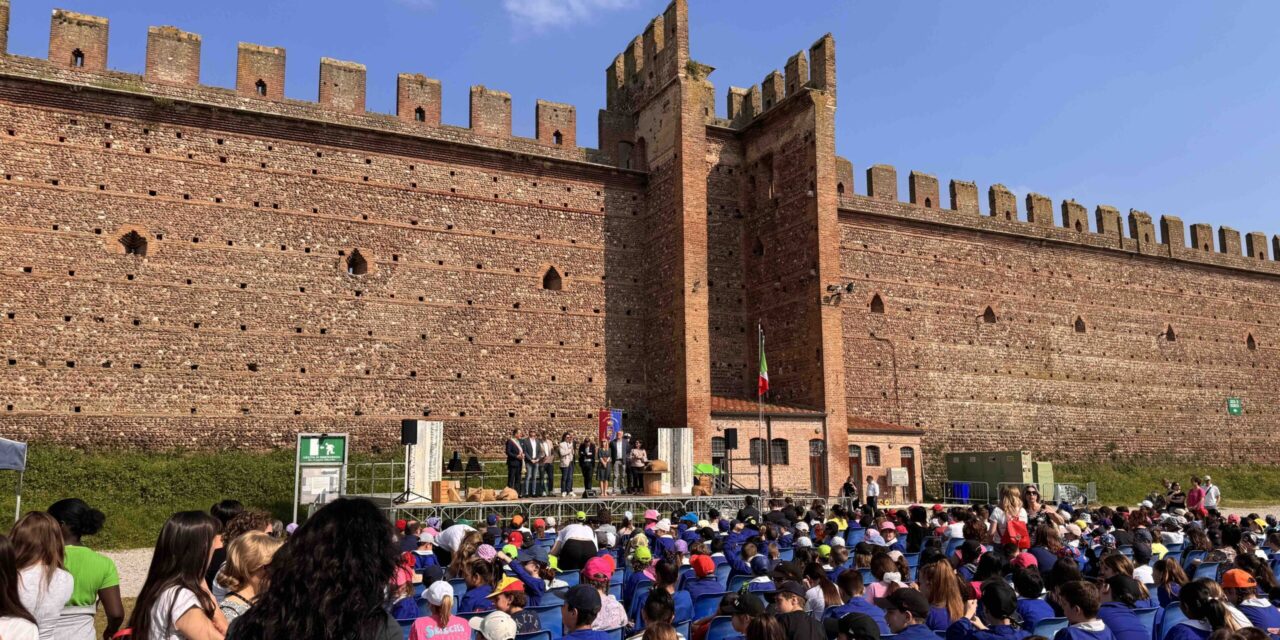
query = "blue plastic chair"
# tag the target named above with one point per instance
(854, 536)
(1192, 555)
(1048, 627)
(614, 634)
(867, 577)
(1148, 618)
(787, 555)
(682, 628)
(617, 578)
(1206, 570)
(722, 575)
(1173, 548)
(553, 597)
(570, 578)
(474, 614)
(950, 548)
(913, 559)
(942, 635)
(532, 635)
(459, 588)
(705, 605)
(1170, 618)
(721, 628)
(424, 609)
(615, 590)
(419, 589)
(406, 626)
(736, 582)
(549, 619)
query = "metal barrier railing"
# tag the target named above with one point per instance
(965, 492)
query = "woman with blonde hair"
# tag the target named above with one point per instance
(1010, 509)
(941, 586)
(464, 554)
(43, 585)
(244, 574)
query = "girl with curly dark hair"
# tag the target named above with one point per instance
(329, 582)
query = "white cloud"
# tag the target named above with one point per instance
(544, 15)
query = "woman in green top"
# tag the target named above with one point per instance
(95, 574)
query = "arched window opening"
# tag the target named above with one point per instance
(989, 316)
(1169, 335)
(1079, 227)
(907, 453)
(261, 88)
(1080, 328)
(420, 114)
(1251, 343)
(134, 244)
(855, 451)
(877, 304)
(356, 264)
(873, 456)
(551, 280)
(77, 59)
(928, 203)
(840, 188)
(624, 154)
(778, 453)
(557, 137)
(757, 451)
(1008, 215)
(758, 249)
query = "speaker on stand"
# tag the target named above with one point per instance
(409, 438)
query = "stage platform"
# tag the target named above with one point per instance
(562, 509)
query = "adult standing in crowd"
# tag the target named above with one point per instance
(575, 544)
(44, 586)
(619, 449)
(1212, 495)
(94, 575)
(175, 603)
(850, 493)
(636, 461)
(330, 581)
(565, 451)
(16, 623)
(515, 458)
(547, 483)
(532, 448)
(604, 456)
(1195, 498)
(587, 462)
(873, 494)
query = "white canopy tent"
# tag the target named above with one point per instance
(13, 457)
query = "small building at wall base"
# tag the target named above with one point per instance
(768, 454)
(875, 448)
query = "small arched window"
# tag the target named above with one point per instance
(928, 203)
(873, 456)
(877, 304)
(356, 264)
(1251, 343)
(624, 154)
(77, 59)
(1169, 335)
(778, 452)
(557, 138)
(1079, 227)
(1080, 327)
(989, 316)
(260, 87)
(134, 244)
(840, 188)
(420, 114)
(551, 280)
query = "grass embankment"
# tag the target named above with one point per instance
(1131, 482)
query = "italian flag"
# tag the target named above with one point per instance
(763, 385)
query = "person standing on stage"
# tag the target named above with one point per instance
(547, 484)
(618, 451)
(605, 460)
(565, 452)
(515, 456)
(532, 449)
(587, 461)
(636, 462)
(873, 494)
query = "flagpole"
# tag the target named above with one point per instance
(760, 424)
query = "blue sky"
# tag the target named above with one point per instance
(1168, 107)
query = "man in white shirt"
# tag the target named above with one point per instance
(1212, 495)
(548, 468)
(873, 494)
(532, 449)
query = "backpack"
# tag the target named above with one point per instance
(1015, 532)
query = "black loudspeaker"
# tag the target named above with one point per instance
(408, 432)
(730, 439)
(590, 493)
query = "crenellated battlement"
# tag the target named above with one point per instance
(652, 59)
(815, 70)
(1136, 232)
(78, 55)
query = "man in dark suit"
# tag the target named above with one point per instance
(532, 448)
(515, 458)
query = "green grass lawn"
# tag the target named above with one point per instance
(1130, 482)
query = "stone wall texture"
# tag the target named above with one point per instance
(190, 266)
